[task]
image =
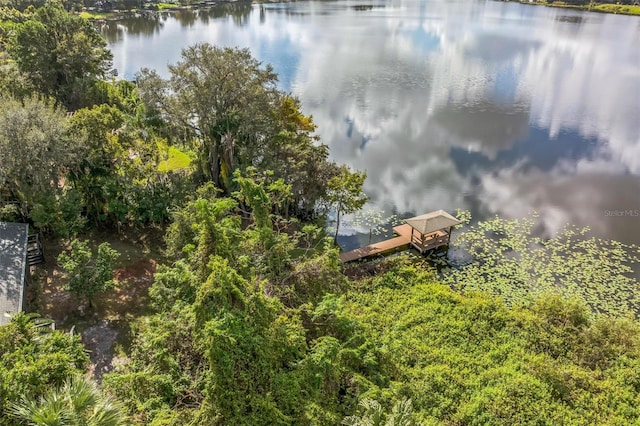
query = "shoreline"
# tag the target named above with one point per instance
(610, 8)
(114, 15)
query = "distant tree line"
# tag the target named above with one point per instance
(100, 5)
(584, 2)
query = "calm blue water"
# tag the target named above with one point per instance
(499, 108)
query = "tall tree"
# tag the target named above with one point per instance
(345, 194)
(36, 151)
(295, 155)
(62, 54)
(222, 97)
(105, 144)
(228, 104)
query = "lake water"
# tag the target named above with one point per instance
(498, 108)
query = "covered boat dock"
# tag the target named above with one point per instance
(425, 233)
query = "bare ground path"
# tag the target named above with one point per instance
(105, 328)
(100, 340)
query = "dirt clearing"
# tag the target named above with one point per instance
(104, 328)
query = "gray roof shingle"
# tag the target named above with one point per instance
(13, 259)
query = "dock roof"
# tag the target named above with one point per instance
(13, 260)
(432, 222)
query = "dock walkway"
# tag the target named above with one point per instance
(383, 247)
(425, 233)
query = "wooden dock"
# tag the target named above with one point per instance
(383, 247)
(425, 233)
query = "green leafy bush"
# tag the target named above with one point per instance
(88, 274)
(470, 359)
(33, 360)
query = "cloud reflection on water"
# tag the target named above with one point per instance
(497, 107)
(585, 82)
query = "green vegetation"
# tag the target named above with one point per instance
(617, 8)
(88, 274)
(85, 14)
(373, 414)
(233, 124)
(345, 194)
(34, 360)
(471, 360)
(77, 403)
(94, 9)
(176, 160)
(517, 267)
(60, 54)
(234, 354)
(252, 319)
(164, 5)
(34, 138)
(253, 340)
(626, 7)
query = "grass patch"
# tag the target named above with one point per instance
(163, 5)
(623, 9)
(177, 160)
(96, 15)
